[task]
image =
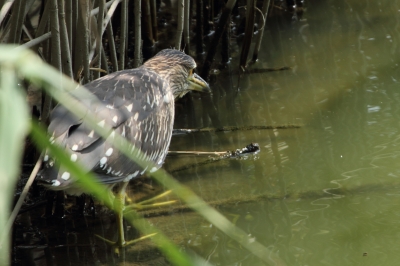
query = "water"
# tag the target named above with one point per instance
(330, 186)
(325, 193)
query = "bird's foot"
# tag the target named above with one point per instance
(117, 245)
(148, 204)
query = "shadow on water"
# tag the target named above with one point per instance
(322, 194)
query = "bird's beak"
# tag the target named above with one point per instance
(196, 83)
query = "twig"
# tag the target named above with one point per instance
(7, 227)
(68, 23)
(96, 10)
(199, 27)
(186, 27)
(153, 8)
(43, 25)
(99, 46)
(224, 19)
(17, 19)
(203, 153)
(138, 34)
(4, 10)
(252, 148)
(262, 22)
(123, 34)
(180, 20)
(147, 30)
(250, 19)
(232, 128)
(55, 37)
(111, 45)
(83, 23)
(37, 40)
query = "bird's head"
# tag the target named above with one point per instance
(178, 69)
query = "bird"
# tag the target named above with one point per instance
(136, 103)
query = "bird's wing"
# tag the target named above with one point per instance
(121, 96)
(127, 98)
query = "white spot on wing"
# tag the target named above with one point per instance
(46, 158)
(91, 134)
(136, 116)
(144, 170)
(74, 157)
(74, 148)
(129, 107)
(115, 118)
(103, 160)
(65, 176)
(102, 123)
(166, 98)
(153, 169)
(109, 151)
(56, 183)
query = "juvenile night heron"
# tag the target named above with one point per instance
(138, 104)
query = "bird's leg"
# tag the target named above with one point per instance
(119, 206)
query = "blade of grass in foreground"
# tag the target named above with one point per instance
(88, 183)
(14, 125)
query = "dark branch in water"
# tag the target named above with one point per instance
(232, 128)
(252, 148)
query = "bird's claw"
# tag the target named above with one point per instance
(117, 246)
(147, 204)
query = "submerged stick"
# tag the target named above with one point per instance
(232, 128)
(252, 148)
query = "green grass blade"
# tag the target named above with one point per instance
(88, 183)
(14, 125)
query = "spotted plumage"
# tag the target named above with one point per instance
(138, 104)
